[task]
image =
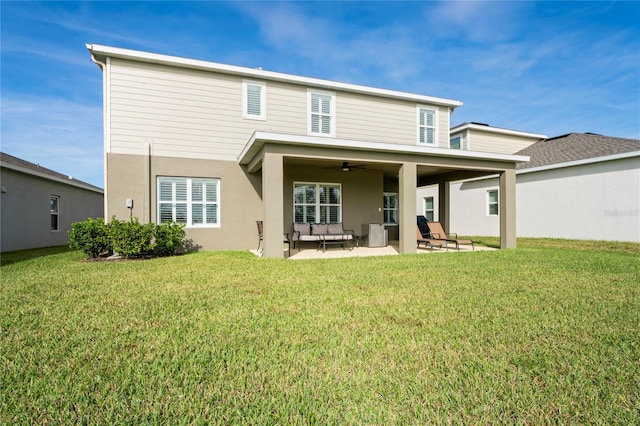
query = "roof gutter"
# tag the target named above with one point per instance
(102, 65)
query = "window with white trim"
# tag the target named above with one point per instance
(429, 209)
(390, 208)
(427, 126)
(254, 100)
(54, 211)
(492, 203)
(321, 114)
(192, 201)
(317, 202)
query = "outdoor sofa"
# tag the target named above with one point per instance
(323, 234)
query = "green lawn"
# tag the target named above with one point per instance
(547, 333)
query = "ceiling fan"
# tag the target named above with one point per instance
(346, 167)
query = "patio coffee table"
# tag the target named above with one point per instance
(342, 240)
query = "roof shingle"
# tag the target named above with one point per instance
(575, 147)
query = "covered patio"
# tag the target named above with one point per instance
(280, 160)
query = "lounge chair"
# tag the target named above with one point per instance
(438, 232)
(430, 242)
(286, 239)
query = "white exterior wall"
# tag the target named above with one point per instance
(428, 191)
(598, 201)
(189, 113)
(468, 208)
(594, 202)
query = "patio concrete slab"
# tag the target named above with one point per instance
(390, 250)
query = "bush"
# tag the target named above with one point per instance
(132, 238)
(169, 238)
(91, 236)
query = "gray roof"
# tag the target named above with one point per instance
(6, 159)
(575, 147)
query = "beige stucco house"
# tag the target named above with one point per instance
(38, 205)
(218, 147)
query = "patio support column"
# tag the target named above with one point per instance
(444, 202)
(407, 209)
(272, 204)
(508, 209)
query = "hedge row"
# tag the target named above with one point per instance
(131, 238)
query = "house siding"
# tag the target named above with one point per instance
(198, 114)
(498, 143)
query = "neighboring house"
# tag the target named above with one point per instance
(38, 205)
(218, 147)
(575, 186)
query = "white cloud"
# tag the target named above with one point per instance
(477, 21)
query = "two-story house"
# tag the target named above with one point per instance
(218, 147)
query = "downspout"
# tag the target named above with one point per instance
(103, 68)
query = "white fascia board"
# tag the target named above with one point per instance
(68, 181)
(490, 129)
(115, 52)
(580, 162)
(258, 139)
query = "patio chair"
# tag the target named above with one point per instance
(430, 242)
(438, 232)
(286, 240)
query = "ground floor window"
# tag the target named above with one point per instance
(192, 201)
(429, 209)
(317, 202)
(390, 208)
(492, 202)
(54, 208)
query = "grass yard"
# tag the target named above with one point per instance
(547, 333)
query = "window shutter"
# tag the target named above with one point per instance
(321, 113)
(427, 126)
(254, 99)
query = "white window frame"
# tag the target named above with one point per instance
(318, 205)
(331, 115)
(54, 212)
(432, 210)
(189, 201)
(390, 209)
(245, 100)
(492, 203)
(419, 109)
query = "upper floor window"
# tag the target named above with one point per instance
(455, 143)
(322, 114)
(427, 128)
(54, 208)
(492, 202)
(254, 104)
(192, 201)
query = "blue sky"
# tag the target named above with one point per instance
(545, 67)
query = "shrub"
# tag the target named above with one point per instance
(91, 236)
(132, 238)
(169, 238)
